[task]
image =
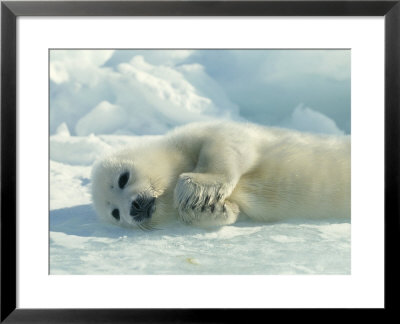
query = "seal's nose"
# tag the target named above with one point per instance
(142, 207)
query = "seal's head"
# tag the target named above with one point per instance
(129, 193)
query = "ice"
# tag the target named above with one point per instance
(135, 97)
(268, 84)
(103, 119)
(103, 100)
(80, 244)
(306, 119)
(160, 89)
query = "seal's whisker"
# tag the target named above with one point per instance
(144, 226)
(151, 227)
(140, 226)
(153, 224)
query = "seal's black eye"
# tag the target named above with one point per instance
(123, 179)
(115, 214)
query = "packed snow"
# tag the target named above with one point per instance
(103, 100)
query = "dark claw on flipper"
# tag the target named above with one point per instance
(203, 208)
(194, 204)
(207, 200)
(186, 203)
(212, 208)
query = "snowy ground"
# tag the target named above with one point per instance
(124, 93)
(81, 244)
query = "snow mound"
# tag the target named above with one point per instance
(146, 92)
(308, 120)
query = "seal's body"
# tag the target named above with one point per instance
(208, 174)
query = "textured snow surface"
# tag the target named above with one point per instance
(100, 99)
(81, 244)
(149, 91)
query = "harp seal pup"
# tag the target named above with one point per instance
(209, 174)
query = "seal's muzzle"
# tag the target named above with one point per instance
(142, 208)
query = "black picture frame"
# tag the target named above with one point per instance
(10, 10)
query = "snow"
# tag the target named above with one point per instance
(81, 244)
(306, 119)
(244, 248)
(103, 100)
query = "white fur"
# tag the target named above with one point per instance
(210, 173)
